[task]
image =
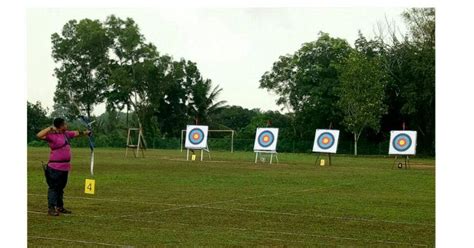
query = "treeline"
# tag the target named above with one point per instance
(386, 83)
(111, 62)
(364, 90)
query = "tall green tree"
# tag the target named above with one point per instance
(173, 111)
(80, 50)
(36, 118)
(204, 101)
(233, 117)
(410, 61)
(132, 67)
(306, 82)
(361, 94)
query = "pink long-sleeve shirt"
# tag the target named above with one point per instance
(60, 155)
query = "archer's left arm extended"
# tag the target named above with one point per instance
(81, 133)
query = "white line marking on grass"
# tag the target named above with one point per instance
(205, 206)
(317, 216)
(77, 241)
(253, 230)
(221, 161)
(289, 233)
(111, 200)
(333, 237)
(72, 215)
(217, 202)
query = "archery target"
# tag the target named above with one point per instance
(196, 137)
(402, 143)
(326, 140)
(266, 139)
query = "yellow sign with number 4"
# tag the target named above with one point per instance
(90, 186)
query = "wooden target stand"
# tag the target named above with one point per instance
(402, 160)
(259, 152)
(321, 161)
(202, 153)
(405, 158)
(139, 146)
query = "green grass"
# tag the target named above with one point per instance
(230, 201)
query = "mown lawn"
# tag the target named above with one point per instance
(230, 201)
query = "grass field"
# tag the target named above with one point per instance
(230, 201)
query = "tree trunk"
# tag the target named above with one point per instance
(355, 144)
(88, 112)
(136, 109)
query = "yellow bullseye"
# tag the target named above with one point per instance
(266, 138)
(196, 136)
(402, 142)
(325, 140)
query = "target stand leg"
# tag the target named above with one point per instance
(202, 153)
(256, 157)
(329, 159)
(403, 163)
(317, 159)
(187, 154)
(271, 158)
(208, 152)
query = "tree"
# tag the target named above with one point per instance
(204, 101)
(81, 51)
(132, 67)
(233, 117)
(410, 62)
(361, 94)
(37, 119)
(112, 62)
(306, 82)
(172, 110)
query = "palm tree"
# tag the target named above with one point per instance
(204, 102)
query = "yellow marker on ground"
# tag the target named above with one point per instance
(322, 163)
(193, 157)
(89, 186)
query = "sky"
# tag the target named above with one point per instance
(233, 47)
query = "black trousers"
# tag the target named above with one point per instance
(57, 181)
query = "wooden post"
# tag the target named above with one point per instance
(181, 140)
(128, 142)
(139, 142)
(141, 145)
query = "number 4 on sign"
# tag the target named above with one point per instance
(89, 186)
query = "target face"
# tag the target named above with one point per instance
(402, 142)
(196, 137)
(326, 140)
(266, 139)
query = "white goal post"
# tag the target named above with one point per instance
(209, 131)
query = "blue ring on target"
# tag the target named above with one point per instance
(328, 136)
(267, 143)
(396, 140)
(199, 138)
